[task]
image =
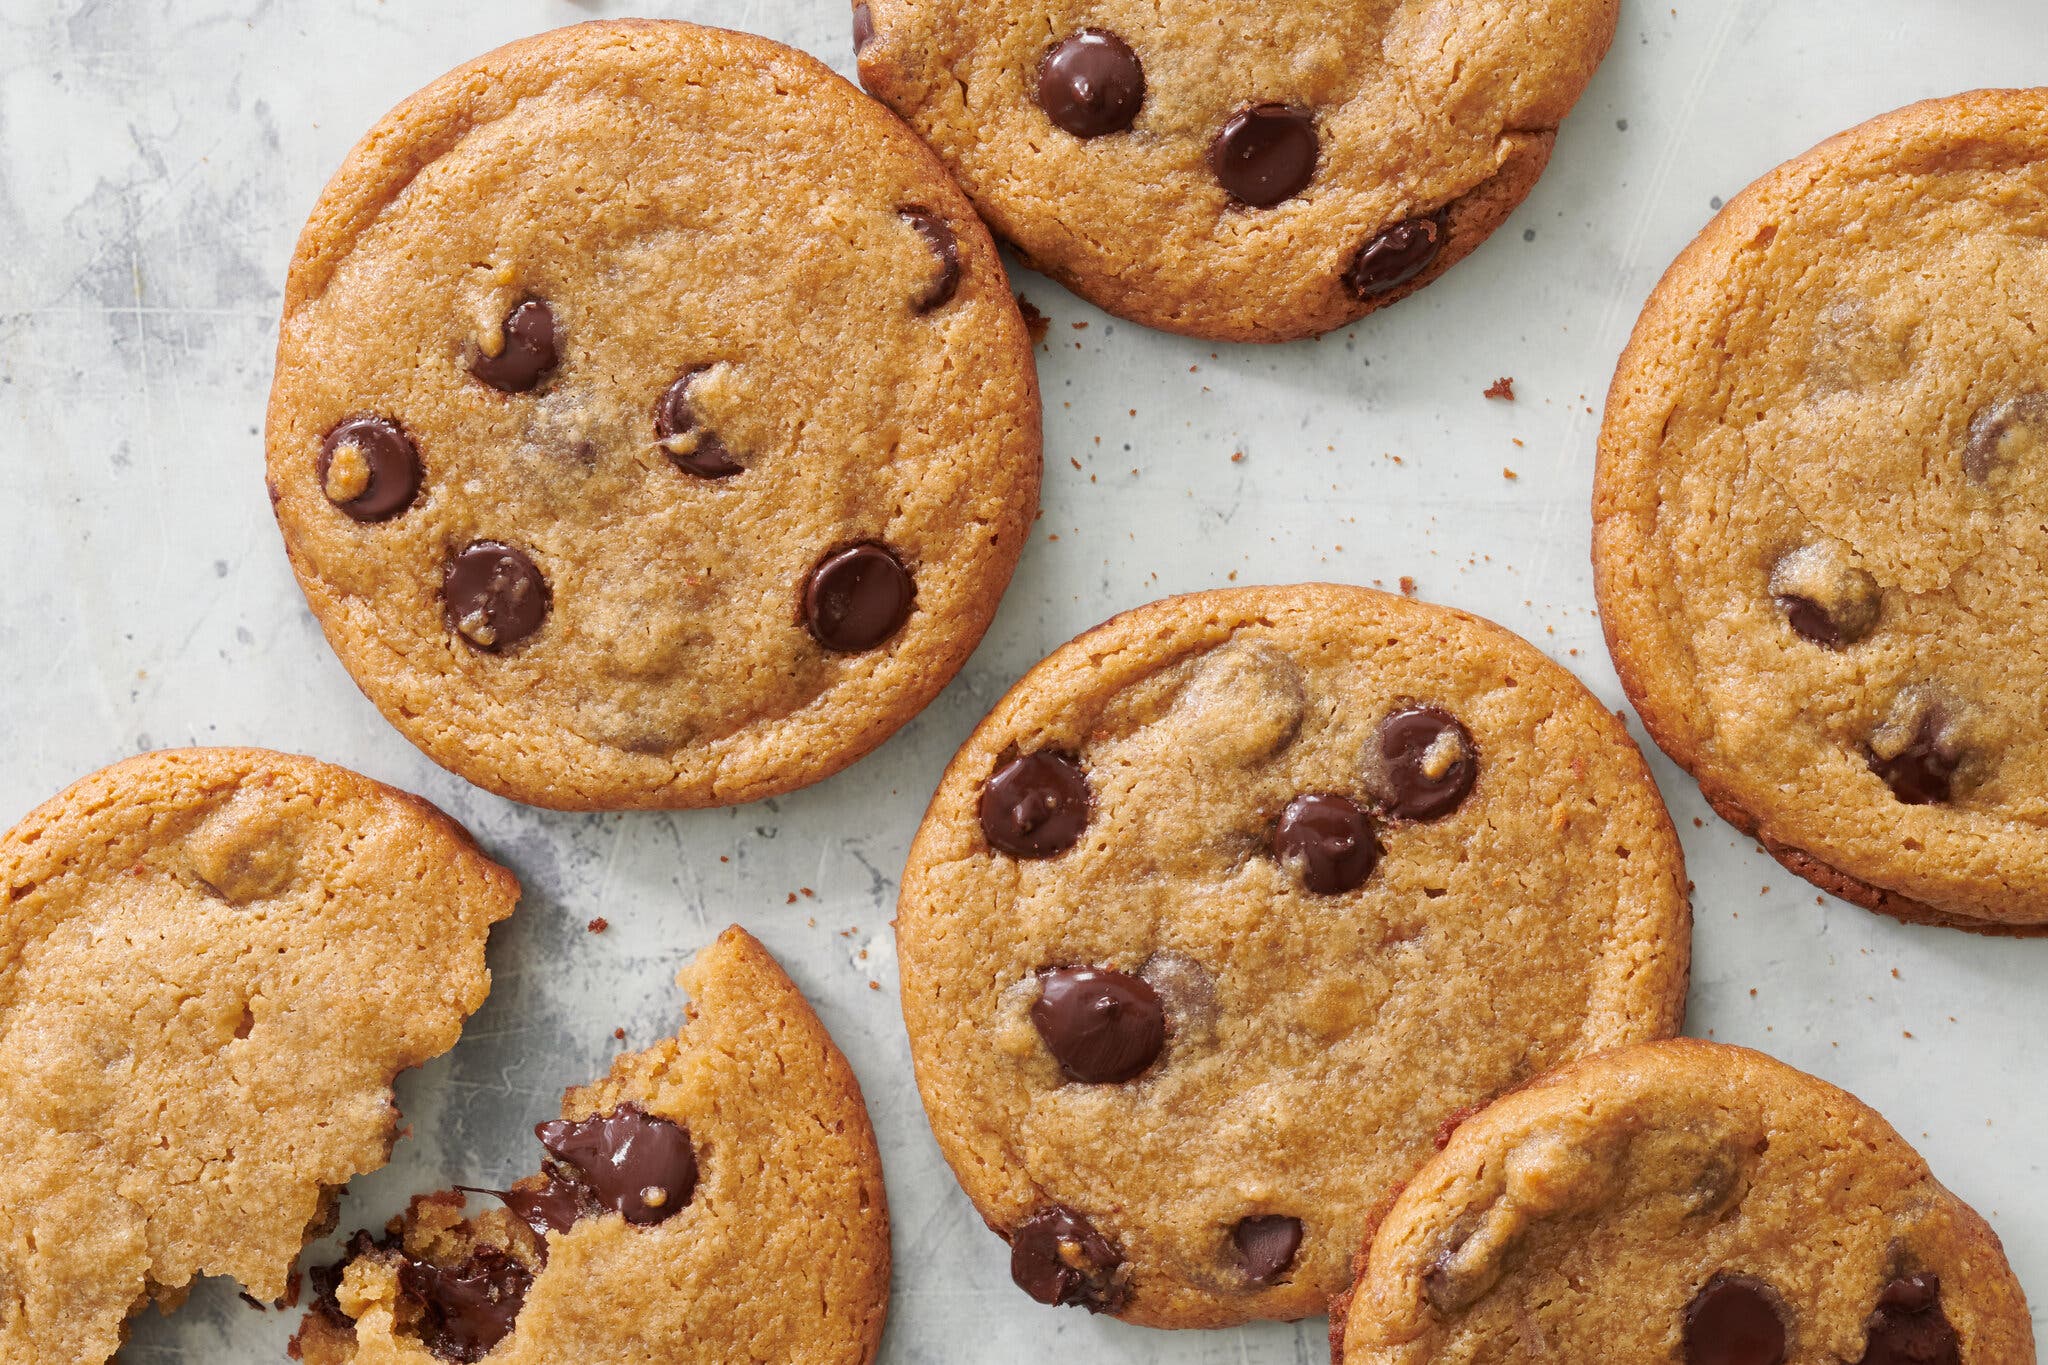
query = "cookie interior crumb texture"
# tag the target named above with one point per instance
(213, 963)
(1234, 901)
(653, 423)
(1822, 512)
(1681, 1201)
(1234, 169)
(765, 1243)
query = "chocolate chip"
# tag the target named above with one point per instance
(1036, 805)
(863, 28)
(1328, 841)
(1102, 1026)
(945, 245)
(856, 598)
(694, 449)
(549, 1202)
(527, 353)
(369, 468)
(1909, 1328)
(1266, 1245)
(1734, 1320)
(1265, 154)
(1394, 257)
(493, 596)
(1825, 596)
(2013, 429)
(1057, 1257)
(1920, 770)
(632, 1162)
(1091, 84)
(1427, 761)
(467, 1309)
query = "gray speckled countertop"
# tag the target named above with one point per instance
(156, 160)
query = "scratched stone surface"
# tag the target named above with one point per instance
(156, 160)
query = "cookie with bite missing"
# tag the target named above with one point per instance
(213, 964)
(653, 423)
(1234, 901)
(1688, 1202)
(1822, 513)
(716, 1199)
(1238, 169)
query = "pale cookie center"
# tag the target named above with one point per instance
(348, 473)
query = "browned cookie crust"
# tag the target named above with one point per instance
(1234, 169)
(653, 422)
(717, 1199)
(213, 962)
(1681, 1201)
(1235, 901)
(1822, 510)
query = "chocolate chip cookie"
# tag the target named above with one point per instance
(653, 423)
(1234, 901)
(1822, 512)
(1681, 1201)
(213, 962)
(1233, 169)
(717, 1198)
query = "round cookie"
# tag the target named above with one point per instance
(716, 1199)
(1822, 512)
(1688, 1202)
(213, 962)
(1234, 901)
(653, 423)
(1236, 169)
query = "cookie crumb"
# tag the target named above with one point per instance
(1407, 586)
(792, 899)
(1036, 323)
(598, 925)
(1237, 457)
(874, 985)
(619, 1034)
(805, 890)
(1507, 473)
(1502, 388)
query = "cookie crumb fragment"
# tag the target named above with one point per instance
(1036, 323)
(598, 925)
(1507, 473)
(1502, 388)
(1407, 586)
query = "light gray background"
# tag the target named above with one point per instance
(156, 160)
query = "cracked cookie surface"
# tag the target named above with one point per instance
(1232, 169)
(1822, 512)
(653, 423)
(1234, 901)
(1681, 1201)
(717, 1199)
(213, 963)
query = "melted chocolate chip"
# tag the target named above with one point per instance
(1810, 619)
(1057, 1257)
(1394, 257)
(493, 596)
(1328, 841)
(1266, 1245)
(632, 1162)
(703, 454)
(369, 468)
(1265, 154)
(1102, 1026)
(2010, 427)
(551, 1202)
(946, 247)
(467, 1309)
(1923, 772)
(1091, 84)
(1734, 1320)
(528, 354)
(856, 598)
(863, 28)
(1035, 806)
(1428, 762)
(1909, 1328)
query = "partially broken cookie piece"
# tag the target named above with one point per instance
(1685, 1202)
(213, 963)
(717, 1199)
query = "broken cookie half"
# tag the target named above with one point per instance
(213, 964)
(717, 1198)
